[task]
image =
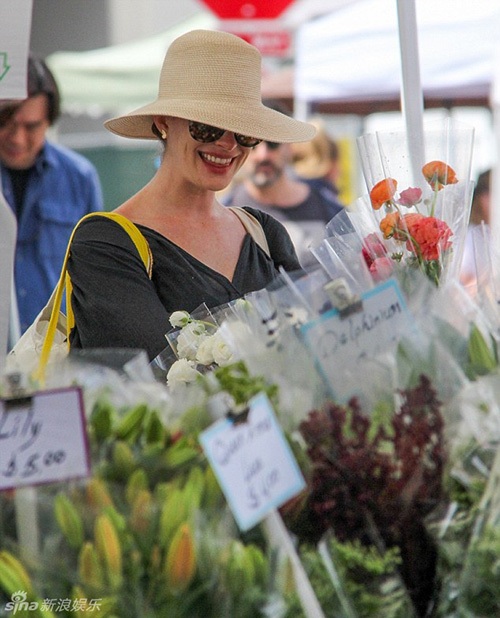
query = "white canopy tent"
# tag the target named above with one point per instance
(352, 56)
(118, 77)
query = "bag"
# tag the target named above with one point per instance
(253, 227)
(48, 336)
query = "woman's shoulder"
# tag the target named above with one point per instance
(263, 218)
(117, 233)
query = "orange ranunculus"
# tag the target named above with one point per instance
(430, 237)
(390, 224)
(438, 174)
(383, 192)
(405, 224)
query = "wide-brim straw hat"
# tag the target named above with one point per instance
(213, 77)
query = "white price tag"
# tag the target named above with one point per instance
(253, 463)
(43, 438)
(340, 344)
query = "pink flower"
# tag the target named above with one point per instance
(410, 197)
(373, 248)
(381, 269)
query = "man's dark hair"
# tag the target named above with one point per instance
(40, 81)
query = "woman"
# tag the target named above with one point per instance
(209, 114)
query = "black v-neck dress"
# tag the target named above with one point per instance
(116, 305)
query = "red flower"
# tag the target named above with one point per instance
(429, 236)
(393, 225)
(373, 248)
(438, 174)
(383, 192)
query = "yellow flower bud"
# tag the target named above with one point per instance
(180, 564)
(97, 493)
(89, 567)
(109, 549)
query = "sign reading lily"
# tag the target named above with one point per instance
(424, 237)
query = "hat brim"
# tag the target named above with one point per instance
(255, 120)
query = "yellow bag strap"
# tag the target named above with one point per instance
(64, 281)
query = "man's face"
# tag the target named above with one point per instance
(266, 163)
(23, 134)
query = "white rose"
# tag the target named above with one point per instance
(178, 319)
(182, 371)
(205, 352)
(189, 339)
(222, 353)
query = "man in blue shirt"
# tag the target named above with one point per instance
(48, 187)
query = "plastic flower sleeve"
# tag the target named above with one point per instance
(301, 297)
(341, 257)
(482, 276)
(479, 592)
(424, 205)
(387, 154)
(272, 351)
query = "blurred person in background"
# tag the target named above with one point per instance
(47, 186)
(317, 162)
(479, 220)
(268, 183)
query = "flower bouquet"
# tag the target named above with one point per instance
(149, 533)
(420, 203)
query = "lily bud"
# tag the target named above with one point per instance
(180, 564)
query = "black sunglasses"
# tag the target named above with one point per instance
(272, 145)
(205, 134)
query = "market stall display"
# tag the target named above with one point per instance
(375, 389)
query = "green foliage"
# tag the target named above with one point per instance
(236, 380)
(480, 585)
(367, 581)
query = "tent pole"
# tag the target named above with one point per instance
(411, 89)
(301, 109)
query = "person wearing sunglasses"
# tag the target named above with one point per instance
(208, 117)
(268, 183)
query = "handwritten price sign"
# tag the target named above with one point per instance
(43, 439)
(253, 463)
(341, 344)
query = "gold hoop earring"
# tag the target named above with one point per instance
(163, 134)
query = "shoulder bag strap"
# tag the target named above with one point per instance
(64, 281)
(253, 227)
